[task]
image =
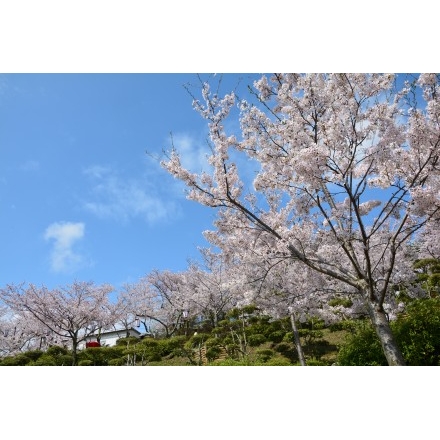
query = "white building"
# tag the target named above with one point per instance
(108, 338)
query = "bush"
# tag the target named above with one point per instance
(116, 362)
(278, 361)
(85, 363)
(344, 302)
(283, 347)
(15, 361)
(213, 352)
(171, 346)
(276, 336)
(264, 354)
(346, 324)
(362, 348)
(418, 332)
(56, 350)
(288, 337)
(255, 340)
(316, 363)
(65, 359)
(100, 356)
(246, 362)
(46, 360)
(212, 342)
(34, 354)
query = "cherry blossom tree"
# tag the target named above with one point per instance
(140, 305)
(161, 298)
(65, 314)
(213, 286)
(346, 174)
(19, 332)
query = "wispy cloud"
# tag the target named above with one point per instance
(193, 151)
(122, 199)
(65, 234)
(30, 165)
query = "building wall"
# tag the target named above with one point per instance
(109, 339)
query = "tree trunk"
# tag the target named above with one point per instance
(381, 326)
(74, 352)
(297, 341)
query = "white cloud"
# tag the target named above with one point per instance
(193, 152)
(65, 235)
(97, 171)
(122, 199)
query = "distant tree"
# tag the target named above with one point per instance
(68, 314)
(346, 175)
(213, 286)
(161, 298)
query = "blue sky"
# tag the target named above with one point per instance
(79, 197)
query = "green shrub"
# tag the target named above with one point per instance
(117, 362)
(255, 340)
(47, 360)
(213, 352)
(34, 354)
(316, 363)
(283, 347)
(276, 336)
(344, 302)
(15, 361)
(417, 331)
(56, 350)
(85, 363)
(100, 356)
(171, 346)
(245, 362)
(288, 337)
(212, 342)
(278, 361)
(264, 354)
(346, 324)
(197, 339)
(362, 347)
(132, 340)
(65, 359)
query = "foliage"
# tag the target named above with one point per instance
(428, 275)
(418, 332)
(18, 360)
(344, 302)
(362, 347)
(47, 360)
(316, 363)
(116, 362)
(212, 353)
(276, 336)
(101, 356)
(344, 324)
(127, 341)
(34, 354)
(264, 354)
(256, 339)
(278, 361)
